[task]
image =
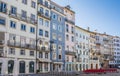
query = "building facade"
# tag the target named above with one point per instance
(116, 50)
(94, 61)
(43, 36)
(82, 48)
(104, 47)
(17, 36)
(57, 35)
(69, 39)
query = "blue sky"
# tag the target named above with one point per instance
(103, 15)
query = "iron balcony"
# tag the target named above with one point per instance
(23, 18)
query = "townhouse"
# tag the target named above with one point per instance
(17, 36)
(104, 48)
(43, 36)
(57, 37)
(69, 39)
(116, 52)
(82, 48)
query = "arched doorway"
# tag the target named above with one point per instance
(31, 67)
(91, 66)
(96, 66)
(10, 66)
(22, 67)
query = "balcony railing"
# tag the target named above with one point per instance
(43, 49)
(21, 45)
(43, 15)
(23, 18)
(30, 46)
(3, 10)
(69, 21)
(44, 4)
(70, 52)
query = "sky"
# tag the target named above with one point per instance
(100, 15)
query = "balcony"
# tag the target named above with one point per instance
(30, 46)
(1, 42)
(44, 15)
(70, 52)
(43, 49)
(44, 4)
(70, 21)
(13, 43)
(23, 18)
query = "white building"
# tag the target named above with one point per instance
(17, 36)
(82, 48)
(43, 36)
(69, 39)
(116, 50)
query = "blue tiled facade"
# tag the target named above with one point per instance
(57, 27)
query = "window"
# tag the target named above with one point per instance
(2, 21)
(23, 27)
(54, 36)
(40, 32)
(47, 13)
(67, 37)
(12, 51)
(46, 55)
(40, 55)
(40, 1)
(67, 28)
(47, 23)
(46, 3)
(46, 34)
(60, 56)
(54, 56)
(13, 10)
(41, 10)
(72, 39)
(72, 30)
(33, 4)
(60, 38)
(3, 7)
(31, 53)
(32, 17)
(60, 28)
(32, 29)
(54, 16)
(46, 66)
(24, 14)
(31, 67)
(12, 24)
(22, 52)
(24, 1)
(40, 21)
(54, 26)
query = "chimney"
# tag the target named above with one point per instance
(105, 33)
(88, 28)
